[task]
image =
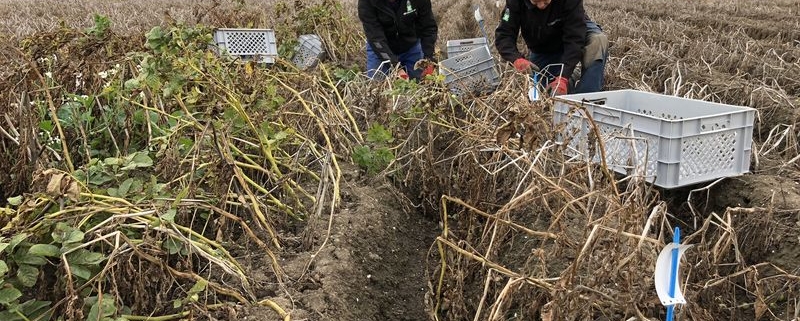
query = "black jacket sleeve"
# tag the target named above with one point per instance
(574, 35)
(427, 30)
(368, 14)
(505, 36)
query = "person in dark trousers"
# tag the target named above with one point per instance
(556, 32)
(399, 33)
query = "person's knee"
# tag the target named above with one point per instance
(596, 48)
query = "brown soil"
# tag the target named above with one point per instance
(782, 196)
(374, 268)
(371, 268)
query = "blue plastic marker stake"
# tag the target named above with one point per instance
(673, 278)
(533, 92)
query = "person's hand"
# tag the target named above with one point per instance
(558, 86)
(402, 74)
(524, 65)
(427, 65)
(429, 70)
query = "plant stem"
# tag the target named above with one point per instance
(158, 318)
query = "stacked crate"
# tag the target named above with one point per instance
(470, 67)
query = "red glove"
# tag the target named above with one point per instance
(427, 71)
(522, 64)
(402, 74)
(558, 86)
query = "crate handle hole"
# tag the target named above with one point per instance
(598, 101)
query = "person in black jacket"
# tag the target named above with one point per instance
(398, 32)
(556, 32)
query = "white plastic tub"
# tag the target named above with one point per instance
(671, 141)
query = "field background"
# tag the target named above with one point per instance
(461, 225)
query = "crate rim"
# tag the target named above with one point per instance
(745, 109)
(457, 42)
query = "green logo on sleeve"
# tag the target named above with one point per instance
(506, 15)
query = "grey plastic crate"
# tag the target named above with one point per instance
(471, 72)
(308, 52)
(459, 46)
(671, 141)
(247, 44)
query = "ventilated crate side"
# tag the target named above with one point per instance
(308, 52)
(472, 71)
(672, 141)
(258, 45)
(459, 46)
(483, 78)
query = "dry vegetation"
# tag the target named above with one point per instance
(221, 159)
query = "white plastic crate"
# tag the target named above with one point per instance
(459, 46)
(247, 44)
(308, 52)
(470, 72)
(672, 141)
